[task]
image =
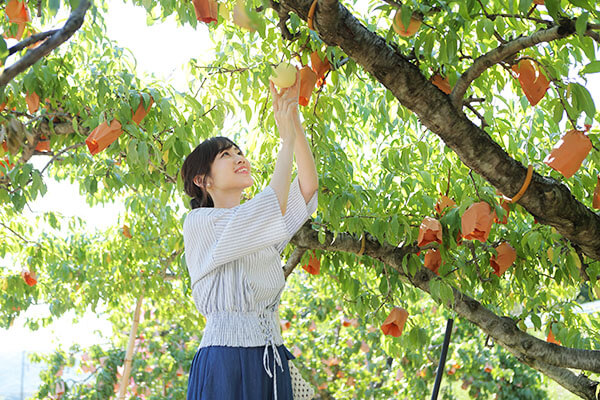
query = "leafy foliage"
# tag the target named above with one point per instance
(380, 172)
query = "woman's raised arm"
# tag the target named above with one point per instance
(285, 110)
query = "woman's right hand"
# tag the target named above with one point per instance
(285, 109)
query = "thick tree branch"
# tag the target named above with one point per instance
(294, 260)
(32, 56)
(580, 385)
(500, 53)
(549, 358)
(549, 201)
(61, 128)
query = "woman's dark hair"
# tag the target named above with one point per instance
(198, 162)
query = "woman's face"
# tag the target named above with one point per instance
(230, 170)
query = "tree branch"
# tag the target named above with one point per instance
(74, 146)
(31, 40)
(16, 233)
(32, 56)
(518, 16)
(502, 52)
(580, 385)
(294, 260)
(549, 358)
(548, 200)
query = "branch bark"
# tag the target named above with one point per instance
(548, 358)
(30, 40)
(579, 385)
(293, 261)
(32, 56)
(548, 200)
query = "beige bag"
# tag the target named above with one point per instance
(301, 389)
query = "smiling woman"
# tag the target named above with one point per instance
(213, 169)
(232, 252)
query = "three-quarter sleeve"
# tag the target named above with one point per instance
(213, 237)
(297, 212)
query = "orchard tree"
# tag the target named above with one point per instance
(457, 150)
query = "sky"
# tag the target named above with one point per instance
(161, 49)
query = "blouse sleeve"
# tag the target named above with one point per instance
(213, 237)
(297, 212)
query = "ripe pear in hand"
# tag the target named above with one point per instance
(284, 75)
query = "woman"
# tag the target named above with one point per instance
(233, 254)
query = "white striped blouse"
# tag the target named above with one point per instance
(233, 256)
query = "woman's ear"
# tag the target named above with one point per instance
(198, 181)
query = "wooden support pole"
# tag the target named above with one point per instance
(129, 354)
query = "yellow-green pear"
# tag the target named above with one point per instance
(241, 18)
(283, 75)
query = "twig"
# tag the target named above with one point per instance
(394, 3)
(483, 9)
(472, 248)
(518, 16)
(448, 185)
(16, 233)
(222, 70)
(481, 117)
(74, 146)
(562, 102)
(474, 100)
(319, 94)
(474, 184)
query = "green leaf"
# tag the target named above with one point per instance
(584, 101)
(581, 24)
(434, 289)
(488, 27)
(582, 3)
(557, 112)
(132, 155)
(537, 322)
(3, 49)
(405, 15)
(524, 6)
(591, 68)
(553, 7)
(446, 293)
(142, 152)
(54, 6)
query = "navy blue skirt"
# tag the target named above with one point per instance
(237, 373)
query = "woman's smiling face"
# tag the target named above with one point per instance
(231, 170)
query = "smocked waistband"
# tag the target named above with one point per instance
(241, 328)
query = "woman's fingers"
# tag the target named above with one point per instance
(274, 92)
(276, 96)
(272, 88)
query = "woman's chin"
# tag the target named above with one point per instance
(249, 181)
